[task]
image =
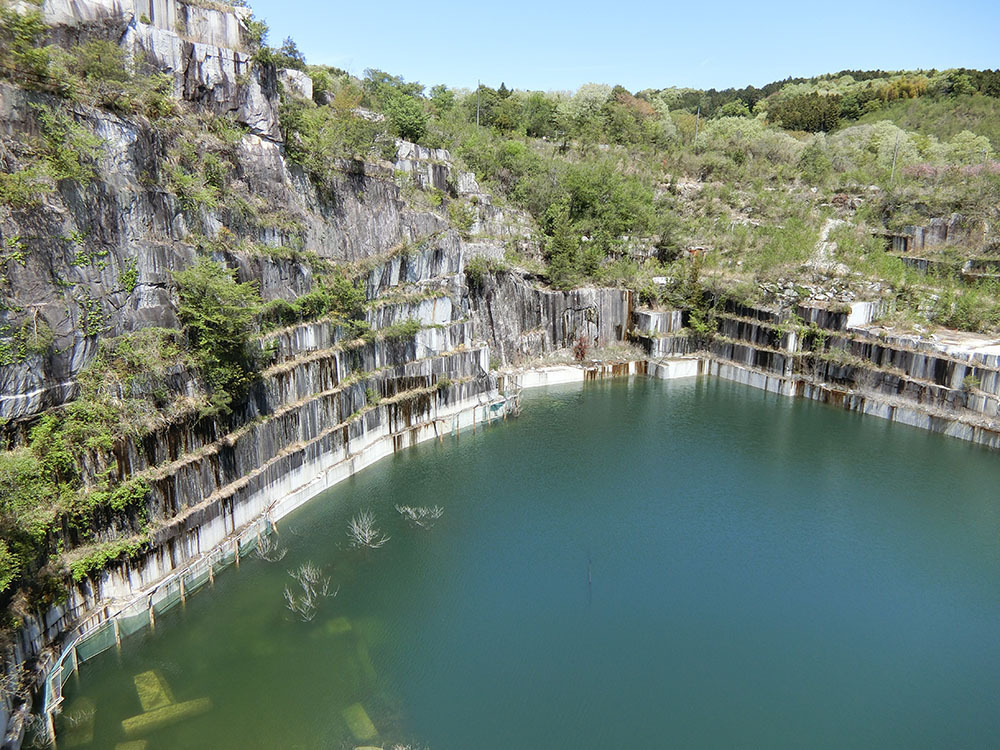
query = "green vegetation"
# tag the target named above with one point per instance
(944, 117)
(129, 277)
(317, 137)
(200, 163)
(334, 295)
(23, 57)
(34, 337)
(9, 566)
(605, 173)
(218, 315)
(402, 331)
(95, 73)
(400, 101)
(96, 560)
(121, 393)
(63, 150)
(124, 391)
(478, 268)
(43, 503)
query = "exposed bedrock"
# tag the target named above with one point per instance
(521, 321)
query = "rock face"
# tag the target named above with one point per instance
(79, 244)
(944, 232)
(945, 383)
(522, 321)
(212, 26)
(94, 260)
(296, 83)
(82, 240)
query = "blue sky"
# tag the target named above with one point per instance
(558, 46)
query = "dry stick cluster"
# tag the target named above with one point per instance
(268, 549)
(421, 516)
(364, 532)
(314, 585)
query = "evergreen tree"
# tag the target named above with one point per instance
(563, 250)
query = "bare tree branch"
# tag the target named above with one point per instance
(364, 532)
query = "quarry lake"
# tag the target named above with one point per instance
(626, 564)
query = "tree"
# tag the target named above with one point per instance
(814, 162)
(539, 115)
(23, 57)
(314, 586)
(407, 116)
(735, 108)
(968, 148)
(442, 99)
(378, 84)
(508, 114)
(563, 250)
(483, 100)
(811, 112)
(581, 112)
(289, 56)
(401, 102)
(218, 315)
(421, 516)
(10, 566)
(960, 83)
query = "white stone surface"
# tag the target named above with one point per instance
(863, 313)
(549, 376)
(658, 322)
(219, 28)
(467, 184)
(671, 369)
(296, 82)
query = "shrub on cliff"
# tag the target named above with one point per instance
(23, 57)
(563, 252)
(218, 315)
(318, 137)
(333, 295)
(44, 506)
(95, 73)
(9, 566)
(407, 117)
(98, 73)
(63, 150)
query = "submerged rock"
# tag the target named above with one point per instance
(153, 690)
(358, 722)
(165, 715)
(337, 626)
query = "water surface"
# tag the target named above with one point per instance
(686, 564)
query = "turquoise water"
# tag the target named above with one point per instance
(685, 564)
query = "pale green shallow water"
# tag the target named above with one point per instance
(766, 573)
